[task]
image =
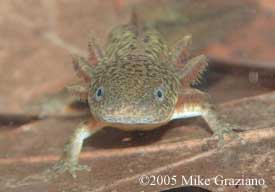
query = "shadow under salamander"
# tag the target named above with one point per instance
(114, 138)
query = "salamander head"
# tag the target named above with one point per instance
(137, 79)
(133, 94)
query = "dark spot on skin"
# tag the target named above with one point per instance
(146, 39)
(131, 46)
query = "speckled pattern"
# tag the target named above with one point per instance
(138, 84)
(136, 67)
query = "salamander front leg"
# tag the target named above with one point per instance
(218, 124)
(70, 157)
(193, 103)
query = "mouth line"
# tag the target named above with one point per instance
(129, 120)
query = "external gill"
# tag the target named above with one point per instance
(190, 69)
(191, 73)
(79, 90)
(85, 70)
(95, 52)
(180, 53)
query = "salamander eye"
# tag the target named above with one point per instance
(159, 94)
(99, 93)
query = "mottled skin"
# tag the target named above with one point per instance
(138, 84)
(136, 68)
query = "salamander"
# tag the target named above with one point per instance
(138, 83)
